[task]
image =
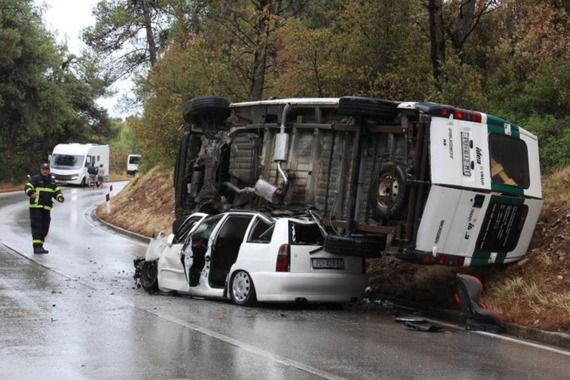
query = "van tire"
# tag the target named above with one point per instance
(368, 107)
(388, 191)
(358, 246)
(206, 110)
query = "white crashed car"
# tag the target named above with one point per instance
(248, 257)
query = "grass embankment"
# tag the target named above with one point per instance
(533, 292)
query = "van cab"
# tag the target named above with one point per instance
(426, 182)
(133, 162)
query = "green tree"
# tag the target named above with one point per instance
(116, 35)
(46, 95)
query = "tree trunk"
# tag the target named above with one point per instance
(463, 25)
(262, 28)
(437, 41)
(152, 51)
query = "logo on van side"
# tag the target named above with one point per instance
(450, 134)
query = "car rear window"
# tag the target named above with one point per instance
(261, 232)
(305, 234)
(509, 161)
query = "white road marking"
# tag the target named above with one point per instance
(503, 337)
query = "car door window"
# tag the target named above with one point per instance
(204, 230)
(183, 230)
(261, 232)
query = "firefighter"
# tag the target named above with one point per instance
(41, 189)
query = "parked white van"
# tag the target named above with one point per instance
(69, 162)
(133, 162)
(426, 182)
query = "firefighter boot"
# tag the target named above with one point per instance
(39, 249)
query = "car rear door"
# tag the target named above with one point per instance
(308, 256)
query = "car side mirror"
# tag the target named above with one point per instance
(170, 240)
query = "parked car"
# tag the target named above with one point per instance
(248, 256)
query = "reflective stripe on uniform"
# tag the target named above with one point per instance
(37, 241)
(28, 187)
(40, 206)
(46, 189)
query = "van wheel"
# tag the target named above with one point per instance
(149, 276)
(389, 191)
(242, 291)
(83, 182)
(371, 107)
(359, 246)
(206, 110)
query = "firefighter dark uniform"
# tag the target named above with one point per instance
(41, 189)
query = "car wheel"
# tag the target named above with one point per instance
(242, 291)
(359, 246)
(83, 182)
(368, 107)
(205, 110)
(389, 191)
(149, 276)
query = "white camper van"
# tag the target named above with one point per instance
(133, 162)
(69, 162)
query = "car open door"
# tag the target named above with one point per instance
(193, 254)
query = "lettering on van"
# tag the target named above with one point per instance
(466, 153)
(439, 229)
(470, 224)
(479, 159)
(450, 136)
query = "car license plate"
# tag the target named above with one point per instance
(466, 153)
(322, 263)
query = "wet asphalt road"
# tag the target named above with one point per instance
(75, 314)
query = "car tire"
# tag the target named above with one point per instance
(242, 290)
(83, 182)
(205, 110)
(368, 107)
(358, 246)
(149, 276)
(388, 192)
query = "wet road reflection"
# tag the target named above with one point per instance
(75, 313)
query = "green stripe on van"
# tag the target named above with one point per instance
(501, 256)
(507, 189)
(497, 125)
(481, 258)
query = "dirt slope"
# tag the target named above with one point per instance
(146, 204)
(534, 292)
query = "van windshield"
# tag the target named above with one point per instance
(66, 161)
(134, 159)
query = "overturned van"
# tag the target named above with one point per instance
(429, 183)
